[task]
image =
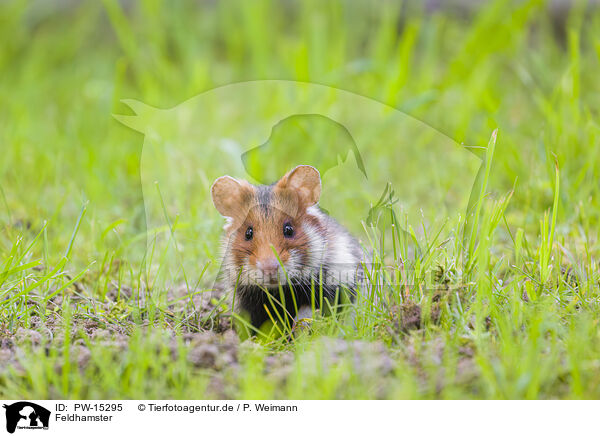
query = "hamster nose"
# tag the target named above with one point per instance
(268, 266)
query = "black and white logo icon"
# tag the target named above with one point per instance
(26, 415)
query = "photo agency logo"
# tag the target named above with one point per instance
(387, 177)
(24, 415)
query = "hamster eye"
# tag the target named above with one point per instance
(249, 233)
(288, 230)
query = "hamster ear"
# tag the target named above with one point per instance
(230, 196)
(306, 181)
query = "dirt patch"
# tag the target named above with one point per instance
(30, 336)
(354, 358)
(211, 350)
(438, 355)
(197, 328)
(409, 316)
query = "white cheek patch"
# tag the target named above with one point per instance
(314, 211)
(342, 254)
(229, 269)
(342, 261)
(248, 273)
(317, 247)
(293, 267)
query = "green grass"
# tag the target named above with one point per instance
(508, 295)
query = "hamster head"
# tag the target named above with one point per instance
(270, 227)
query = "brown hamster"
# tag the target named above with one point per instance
(319, 257)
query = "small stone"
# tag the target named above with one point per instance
(5, 355)
(28, 335)
(204, 355)
(82, 354)
(6, 343)
(100, 334)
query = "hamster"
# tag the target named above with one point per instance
(316, 258)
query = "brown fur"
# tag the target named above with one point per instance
(290, 197)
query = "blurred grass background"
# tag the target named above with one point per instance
(525, 67)
(528, 68)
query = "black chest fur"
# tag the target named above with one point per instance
(282, 303)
